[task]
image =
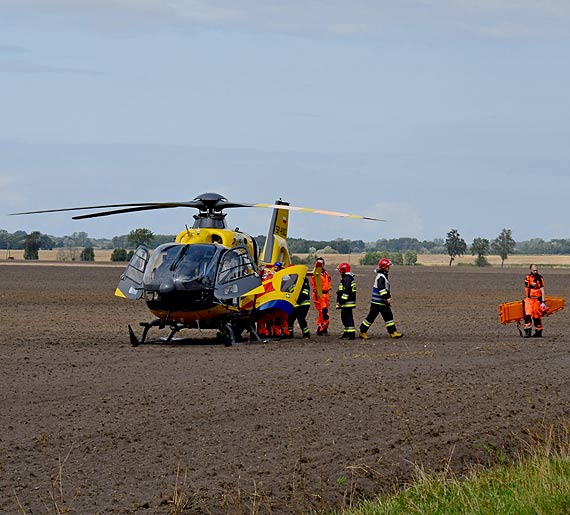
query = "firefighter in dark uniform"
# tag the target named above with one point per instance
(346, 301)
(534, 303)
(380, 302)
(301, 310)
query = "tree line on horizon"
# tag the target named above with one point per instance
(453, 245)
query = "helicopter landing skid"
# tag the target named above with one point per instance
(174, 328)
(229, 332)
(233, 336)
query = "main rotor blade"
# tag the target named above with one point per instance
(136, 206)
(103, 206)
(146, 207)
(319, 211)
(205, 204)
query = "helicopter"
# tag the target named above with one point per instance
(209, 276)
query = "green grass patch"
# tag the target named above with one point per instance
(537, 483)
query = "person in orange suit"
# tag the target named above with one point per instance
(320, 285)
(534, 303)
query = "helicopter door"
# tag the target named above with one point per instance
(131, 283)
(237, 274)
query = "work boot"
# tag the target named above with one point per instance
(306, 335)
(364, 336)
(319, 332)
(396, 334)
(537, 333)
(527, 333)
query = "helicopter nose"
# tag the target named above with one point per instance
(166, 286)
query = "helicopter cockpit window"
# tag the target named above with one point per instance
(186, 264)
(197, 264)
(289, 282)
(237, 263)
(160, 262)
(137, 264)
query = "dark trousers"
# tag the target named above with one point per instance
(347, 319)
(383, 309)
(300, 314)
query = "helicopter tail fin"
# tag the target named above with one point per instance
(275, 248)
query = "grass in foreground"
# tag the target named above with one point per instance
(537, 483)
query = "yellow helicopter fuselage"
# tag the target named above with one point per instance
(226, 237)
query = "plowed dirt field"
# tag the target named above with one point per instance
(100, 427)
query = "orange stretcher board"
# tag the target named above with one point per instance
(514, 311)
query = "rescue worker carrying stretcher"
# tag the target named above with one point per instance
(534, 303)
(346, 301)
(380, 302)
(321, 285)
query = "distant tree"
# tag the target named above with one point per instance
(480, 248)
(533, 246)
(32, 245)
(503, 245)
(87, 254)
(119, 255)
(78, 239)
(560, 246)
(357, 246)
(120, 242)
(327, 250)
(140, 237)
(372, 258)
(410, 257)
(341, 246)
(46, 242)
(455, 245)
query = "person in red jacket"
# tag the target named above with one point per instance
(534, 303)
(321, 285)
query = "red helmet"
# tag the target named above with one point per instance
(384, 263)
(343, 268)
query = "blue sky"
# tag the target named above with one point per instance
(431, 114)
